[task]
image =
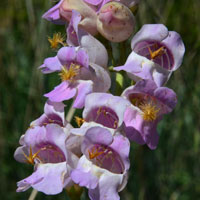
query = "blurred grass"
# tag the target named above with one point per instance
(172, 172)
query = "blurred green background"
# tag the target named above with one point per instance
(172, 171)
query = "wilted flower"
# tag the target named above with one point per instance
(115, 22)
(78, 37)
(156, 53)
(53, 14)
(61, 13)
(149, 104)
(104, 164)
(78, 76)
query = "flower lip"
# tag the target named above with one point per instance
(72, 55)
(103, 115)
(155, 51)
(75, 64)
(105, 157)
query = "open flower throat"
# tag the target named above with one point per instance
(149, 106)
(71, 73)
(52, 119)
(103, 115)
(156, 52)
(45, 153)
(105, 157)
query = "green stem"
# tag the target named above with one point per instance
(33, 194)
(70, 113)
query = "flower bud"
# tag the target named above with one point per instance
(88, 15)
(115, 22)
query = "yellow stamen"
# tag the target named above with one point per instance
(51, 120)
(150, 111)
(94, 153)
(56, 40)
(69, 74)
(31, 157)
(157, 53)
(79, 120)
(99, 111)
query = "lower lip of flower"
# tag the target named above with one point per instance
(105, 157)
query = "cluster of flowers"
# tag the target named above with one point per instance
(96, 154)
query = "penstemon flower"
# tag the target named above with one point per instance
(104, 164)
(44, 147)
(156, 53)
(47, 145)
(102, 109)
(78, 76)
(62, 11)
(148, 104)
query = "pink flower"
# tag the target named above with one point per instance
(45, 148)
(156, 53)
(51, 148)
(79, 37)
(79, 77)
(102, 109)
(62, 12)
(148, 105)
(104, 164)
